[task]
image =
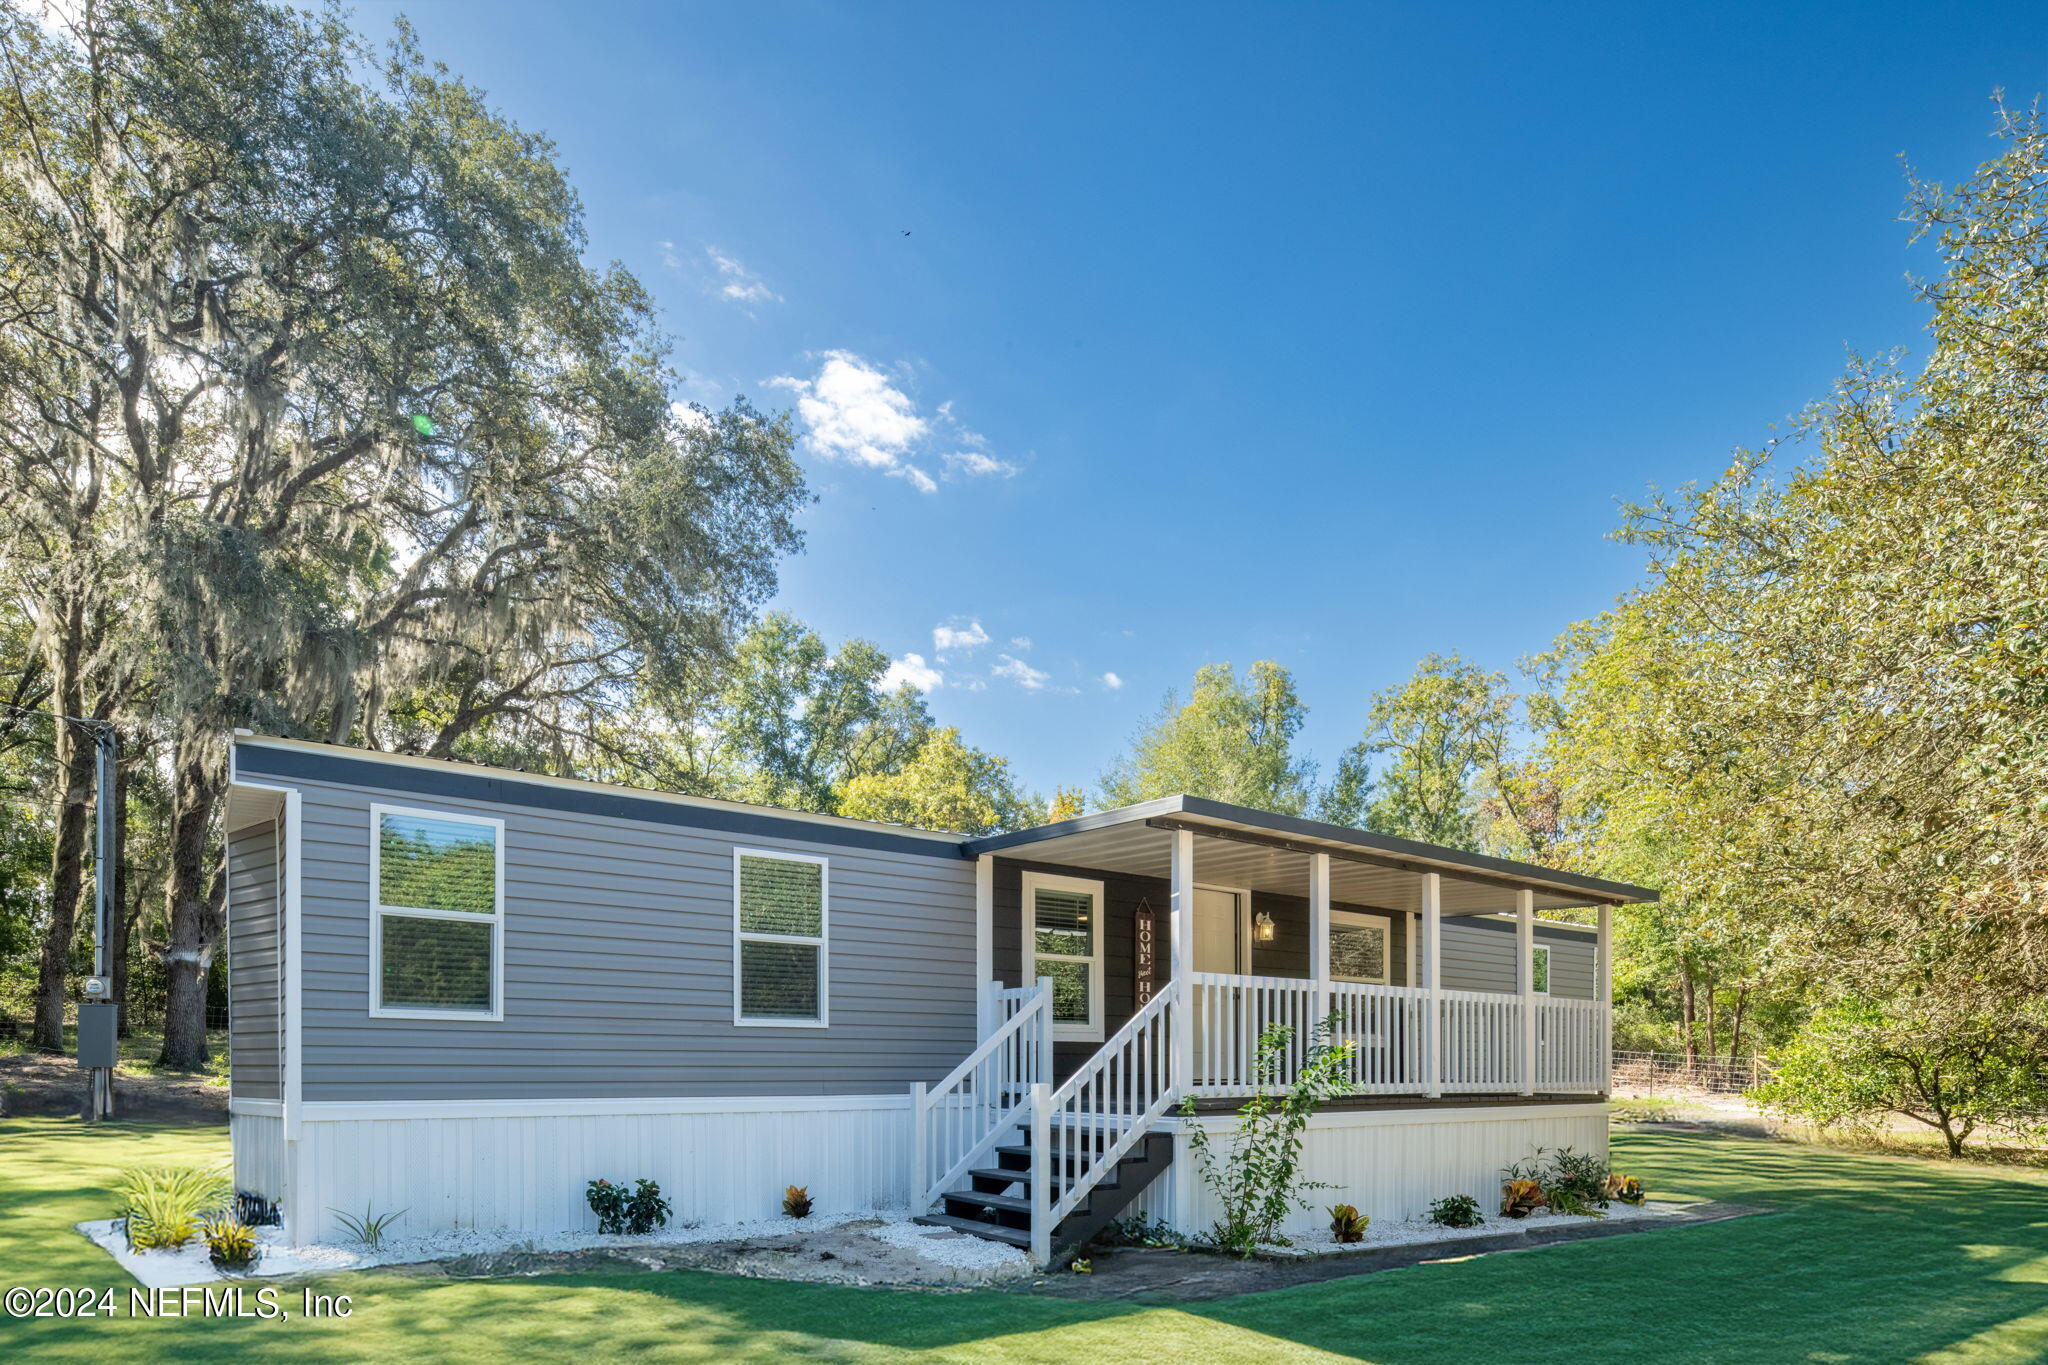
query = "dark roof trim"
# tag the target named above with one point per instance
(1449, 858)
(472, 782)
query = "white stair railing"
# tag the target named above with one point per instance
(957, 1122)
(1081, 1130)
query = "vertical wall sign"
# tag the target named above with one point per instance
(1145, 954)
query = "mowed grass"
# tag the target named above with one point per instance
(1863, 1258)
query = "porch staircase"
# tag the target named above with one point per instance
(997, 1202)
(1007, 1156)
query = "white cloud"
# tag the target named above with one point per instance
(688, 416)
(1112, 682)
(912, 669)
(855, 414)
(1023, 674)
(1020, 642)
(737, 283)
(858, 414)
(953, 636)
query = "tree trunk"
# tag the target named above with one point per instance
(1713, 1025)
(1735, 1025)
(73, 777)
(192, 910)
(1687, 1014)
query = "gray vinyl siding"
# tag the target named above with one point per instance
(253, 930)
(619, 966)
(1479, 955)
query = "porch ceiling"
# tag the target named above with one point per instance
(1253, 850)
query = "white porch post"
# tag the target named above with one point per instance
(1525, 949)
(1180, 946)
(1433, 948)
(985, 944)
(1180, 941)
(1603, 991)
(1319, 930)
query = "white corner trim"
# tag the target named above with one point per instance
(342, 1111)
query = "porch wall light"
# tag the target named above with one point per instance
(1262, 927)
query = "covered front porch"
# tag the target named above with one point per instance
(1437, 964)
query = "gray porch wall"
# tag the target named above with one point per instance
(253, 928)
(618, 974)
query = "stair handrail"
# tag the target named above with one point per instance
(1015, 1056)
(1128, 1080)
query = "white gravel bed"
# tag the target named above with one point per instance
(1408, 1232)
(952, 1256)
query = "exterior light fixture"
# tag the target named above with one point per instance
(1262, 927)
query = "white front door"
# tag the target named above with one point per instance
(1219, 918)
(1216, 931)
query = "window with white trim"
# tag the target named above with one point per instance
(1063, 940)
(437, 945)
(779, 906)
(1539, 969)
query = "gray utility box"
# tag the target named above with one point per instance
(96, 1041)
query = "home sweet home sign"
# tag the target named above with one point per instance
(1144, 954)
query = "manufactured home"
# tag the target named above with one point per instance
(463, 992)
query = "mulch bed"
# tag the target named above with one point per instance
(1157, 1275)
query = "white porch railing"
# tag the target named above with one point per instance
(958, 1121)
(1571, 1046)
(1080, 1131)
(1387, 1025)
(1482, 1041)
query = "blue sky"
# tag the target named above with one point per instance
(1127, 338)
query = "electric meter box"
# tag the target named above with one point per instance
(96, 1040)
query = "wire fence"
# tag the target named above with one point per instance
(1650, 1072)
(18, 1025)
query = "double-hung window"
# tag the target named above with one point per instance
(780, 913)
(437, 931)
(1539, 969)
(1361, 946)
(1063, 940)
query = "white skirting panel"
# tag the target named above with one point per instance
(1391, 1163)
(527, 1173)
(258, 1141)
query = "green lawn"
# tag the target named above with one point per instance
(1867, 1258)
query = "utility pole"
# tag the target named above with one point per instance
(98, 1048)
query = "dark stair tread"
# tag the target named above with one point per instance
(995, 1232)
(1108, 1182)
(1008, 1202)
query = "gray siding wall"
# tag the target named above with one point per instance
(253, 929)
(619, 966)
(1479, 955)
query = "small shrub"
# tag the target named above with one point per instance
(256, 1211)
(1624, 1189)
(1347, 1224)
(646, 1210)
(230, 1243)
(1081, 1267)
(1521, 1196)
(368, 1229)
(1576, 1182)
(796, 1201)
(1256, 1180)
(165, 1206)
(1139, 1231)
(608, 1202)
(1456, 1211)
